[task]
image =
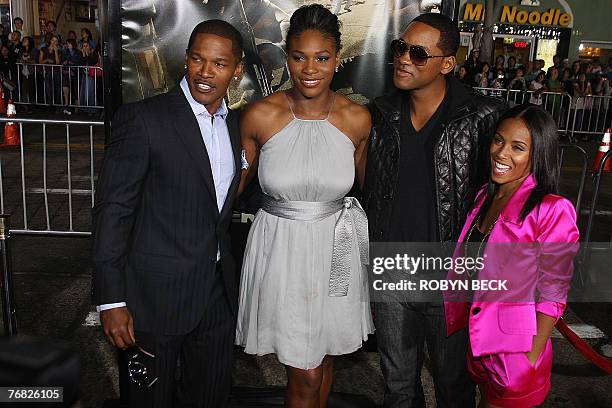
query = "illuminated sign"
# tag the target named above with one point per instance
(520, 44)
(514, 15)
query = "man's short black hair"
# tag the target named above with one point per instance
(222, 29)
(449, 33)
(17, 18)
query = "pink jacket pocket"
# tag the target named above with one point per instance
(517, 318)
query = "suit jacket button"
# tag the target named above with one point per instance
(476, 310)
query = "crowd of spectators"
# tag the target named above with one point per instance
(70, 78)
(581, 78)
(529, 82)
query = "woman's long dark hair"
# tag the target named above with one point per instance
(545, 166)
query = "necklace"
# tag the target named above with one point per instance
(484, 238)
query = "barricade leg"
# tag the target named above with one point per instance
(6, 280)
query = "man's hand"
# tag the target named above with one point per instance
(118, 327)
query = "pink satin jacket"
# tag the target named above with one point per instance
(535, 256)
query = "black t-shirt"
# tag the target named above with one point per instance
(414, 204)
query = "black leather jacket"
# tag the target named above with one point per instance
(459, 157)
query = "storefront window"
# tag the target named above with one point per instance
(587, 52)
(514, 46)
(546, 50)
(5, 17)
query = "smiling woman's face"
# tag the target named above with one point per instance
(510, 152)
(312, 59)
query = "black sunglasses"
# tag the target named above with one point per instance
(417, 54)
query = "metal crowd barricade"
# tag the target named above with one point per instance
(45, 84)
(584, 165)
(591, 115)
(558, 104)
(47, 183)
(593, 263)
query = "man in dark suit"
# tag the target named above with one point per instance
(164, 280)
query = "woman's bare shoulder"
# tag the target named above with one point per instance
(355, 117)
(266, 116)
(270, 105)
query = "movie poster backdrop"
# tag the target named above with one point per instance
(155, 34)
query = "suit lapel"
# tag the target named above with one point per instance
(234, 134)
(188, 131)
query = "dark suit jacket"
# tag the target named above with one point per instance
(156, 224)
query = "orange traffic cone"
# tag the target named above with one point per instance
(2, 102)
(604, 146)
(11, 130)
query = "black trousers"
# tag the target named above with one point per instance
(205, 355)
(402, 329)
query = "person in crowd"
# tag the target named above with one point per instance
(86, 37)
(462, 76)
(7, 63)
(582, 103)
(28, 55)
(51, 29)
(567, 82)
(18, 26)
(565, 64)
(88, 78)
(70, 58)
(553, 83)
(8, 70)
(432, 126)
(15, 43)
(510, 72)
(498, 81)
(529, 72)
(171, 168)
(595, 67)
(538, 67)
(537, 86)
(520, 214)
(302, 296)
(518, 82)
(500, 62)
(602, 85)
(576, 68)
(51, 54)
(472, 62)
(3, 36)
(608, 68)
(481, 79)
(553, 102)
(557, 62)
(582, 87)
(71, 36)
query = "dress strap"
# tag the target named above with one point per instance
(289, 104)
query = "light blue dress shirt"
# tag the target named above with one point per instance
(215, 135)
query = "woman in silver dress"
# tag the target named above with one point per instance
(303, 293)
